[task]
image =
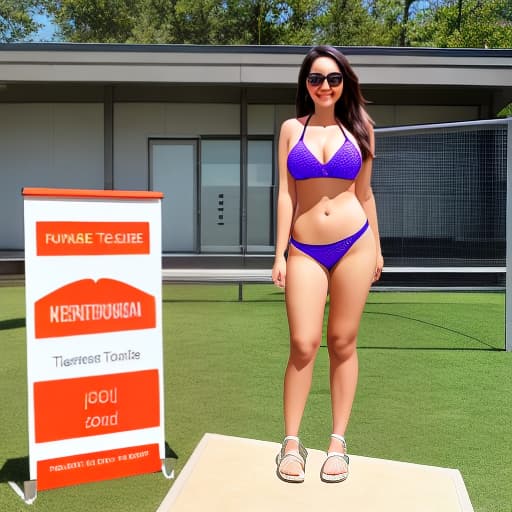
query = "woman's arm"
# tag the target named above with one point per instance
(364, 192)
(286, 200)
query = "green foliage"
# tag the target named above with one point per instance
(467, 24)
(174, 21)
(302, 22)
(347, 23)
(248, 22)
(256, 22)
(387, 26)
(16, 20)
(506, 112)
(431, 23)
(87, 21)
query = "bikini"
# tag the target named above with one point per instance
(345, 164)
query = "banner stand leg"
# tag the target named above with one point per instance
(168, 468)
(29, 492)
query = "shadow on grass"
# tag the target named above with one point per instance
(418, 303)
(169, 452)
(277, 296)
(451, 349)
(12, 323)
(15, 470)
(441, 327)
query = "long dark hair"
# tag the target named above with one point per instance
(350, 108)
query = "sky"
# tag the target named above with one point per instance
(47, 32)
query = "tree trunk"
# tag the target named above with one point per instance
(403, 30)
(459, 14)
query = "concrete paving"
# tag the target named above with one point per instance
(231, 474)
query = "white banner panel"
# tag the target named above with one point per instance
(94, 334)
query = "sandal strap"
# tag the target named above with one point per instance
(340, 438)
(293, 455)
(330, 455)
(301, 452)
(336, 477)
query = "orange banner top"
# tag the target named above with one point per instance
(85, 193)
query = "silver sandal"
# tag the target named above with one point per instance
(299, 456)
(337, 477)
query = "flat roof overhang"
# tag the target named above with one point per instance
(115, 64)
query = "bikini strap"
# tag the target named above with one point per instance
(309, 119)
(341, 128)
(305, 126)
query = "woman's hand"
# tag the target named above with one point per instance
(378, 267)
(279, 271)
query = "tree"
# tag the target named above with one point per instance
(394, 21)
(156, 23)
(347, 23)
(168, 21)
(176, 21)
(406, 13)
(253, 22)
(88, 21)
(301, 22)
(16, 20)
(468, 24)
(437, 23)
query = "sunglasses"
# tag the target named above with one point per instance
(333, 79)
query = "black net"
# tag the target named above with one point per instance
(441, 194)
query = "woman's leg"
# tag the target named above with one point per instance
(306, 291)
(349, 284)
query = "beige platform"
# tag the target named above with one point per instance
(230, 474)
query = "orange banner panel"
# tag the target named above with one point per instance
(93, 467)
(90, 406)
(89, 307)
(66, 238)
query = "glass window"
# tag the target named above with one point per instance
(220, 196)
(173, 172)
(260, 197)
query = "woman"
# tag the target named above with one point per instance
(328, 222)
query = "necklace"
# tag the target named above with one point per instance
(324, 125)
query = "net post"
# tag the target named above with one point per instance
(508, 238)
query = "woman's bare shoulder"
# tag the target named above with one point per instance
(290, 126)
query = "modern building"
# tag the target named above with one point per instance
(200, 124)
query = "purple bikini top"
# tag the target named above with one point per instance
(344, 164)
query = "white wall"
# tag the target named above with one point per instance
(283, 112)
(402, 115)
(260, 116)
(135, 123)
(46, 145)
(61, 144)
(260, 119)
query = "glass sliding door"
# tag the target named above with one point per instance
(201, 182)
(173, 171)
(220, 196)
(260, 196)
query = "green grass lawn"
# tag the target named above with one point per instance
(435, 388)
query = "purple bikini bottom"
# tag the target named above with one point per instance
(329, 254)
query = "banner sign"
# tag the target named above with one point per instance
(94, 334)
